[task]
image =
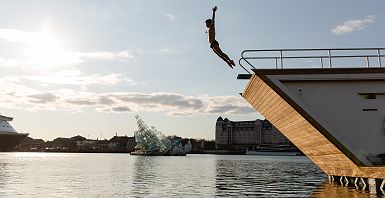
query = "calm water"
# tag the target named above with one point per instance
(122, 175)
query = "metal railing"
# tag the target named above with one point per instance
(280, 55)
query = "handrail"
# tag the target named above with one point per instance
(281, 54)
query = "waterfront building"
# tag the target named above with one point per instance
(78, 138)
(242, 135)
(86, 143)
(131, 144)
(121, 143)
(197, 145)
(61, 143)
(102, 145)
(30, 144)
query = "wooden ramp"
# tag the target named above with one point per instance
(303, 130)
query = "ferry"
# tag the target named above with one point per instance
(9, 137)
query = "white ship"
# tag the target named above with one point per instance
(9, 137)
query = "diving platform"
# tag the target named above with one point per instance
(335, 114)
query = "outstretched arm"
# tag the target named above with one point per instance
(213, 18)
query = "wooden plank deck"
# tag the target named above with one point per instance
(302, 133)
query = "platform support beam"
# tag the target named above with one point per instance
(380, 186)
(366, 184)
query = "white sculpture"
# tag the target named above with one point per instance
(150, 141)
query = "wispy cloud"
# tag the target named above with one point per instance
(104, 55)
(68, 58)
(70, 77)
(162, 51)
(170, 17)
(353, 25)
(227, 105)
(42, 98)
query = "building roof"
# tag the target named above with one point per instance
(5, 118)
(220, 118)
(78, 138)
(120, 139)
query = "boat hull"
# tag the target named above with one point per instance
(8, 141)
(272, 153)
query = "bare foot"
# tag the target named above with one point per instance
(232, 62)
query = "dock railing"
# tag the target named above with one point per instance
(372, 57)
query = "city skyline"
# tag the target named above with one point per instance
(89, 67)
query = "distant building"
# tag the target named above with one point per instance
(61, 143)
(242, 135)
(209, 145)
(131, 144)
(197, 145)
(30, 144)
(122, 143)
(102, 145)
(78, 138)
(86, 143)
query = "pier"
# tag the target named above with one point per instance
(329, 102)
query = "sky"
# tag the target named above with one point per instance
(87, 67)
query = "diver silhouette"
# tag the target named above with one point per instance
(214, 45)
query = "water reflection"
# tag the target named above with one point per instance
(144, 174)
(327, 190)
(3, 172)
(168, 176)
(267, 176)
(121, 175)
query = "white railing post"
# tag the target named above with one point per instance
(379, 57)
(276, 63)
